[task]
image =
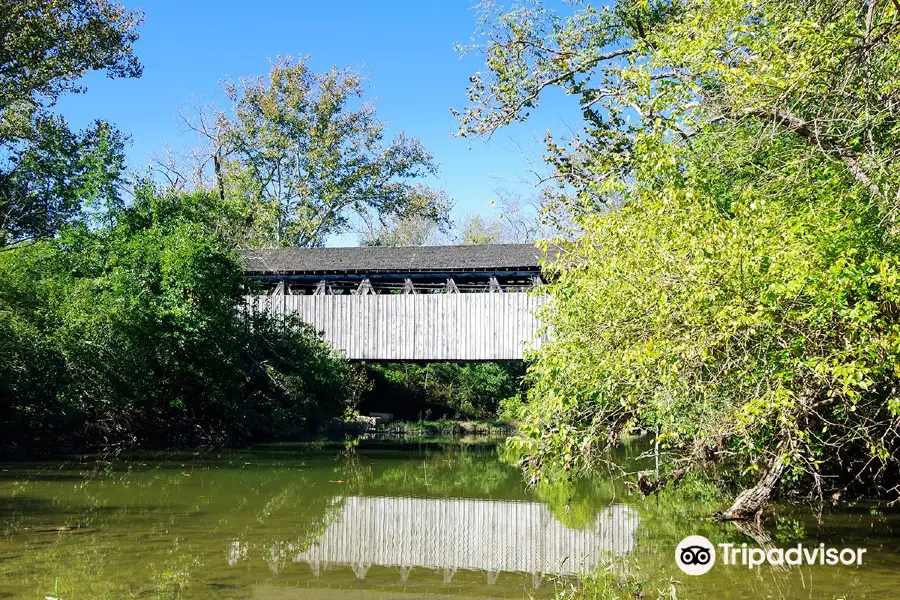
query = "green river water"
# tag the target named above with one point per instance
(376, 519)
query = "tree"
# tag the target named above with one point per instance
(529, 219)
(426, 216)
(44, 49)
(734, 287)
(128, 331)
(478, 230)
(201, 167)
(517, 220)
(307, 157)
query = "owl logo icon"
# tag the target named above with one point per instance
(695, 555)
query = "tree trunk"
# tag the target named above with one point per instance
(649, 486)
(763, 539)
(752, 500)
(217, 170)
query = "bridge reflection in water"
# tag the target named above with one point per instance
(465, 534)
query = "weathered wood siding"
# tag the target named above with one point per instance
(472, 535)
(474, 326)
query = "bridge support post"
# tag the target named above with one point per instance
(494, 286)
(408, 287)
(365, 288)
(360, 569)
(323, 289)
(278, 295)
(451, 287)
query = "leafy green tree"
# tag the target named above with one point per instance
(734, 287)
(57, 176)
(45, 169)
(441, 390)
(47, 46)
(306, 156)
(133, 331)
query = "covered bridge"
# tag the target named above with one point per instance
(429, 303)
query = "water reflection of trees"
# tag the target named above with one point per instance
(169, 525)
(163, 527)
(206, 526)
(431, 470)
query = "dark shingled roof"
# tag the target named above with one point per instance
(501, 257)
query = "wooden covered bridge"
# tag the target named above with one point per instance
(427, 303)
(451, 534)
(448, 535)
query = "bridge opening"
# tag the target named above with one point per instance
(459, 391)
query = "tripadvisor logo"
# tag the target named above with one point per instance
(696, 555)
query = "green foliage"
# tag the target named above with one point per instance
(55, 177)
(47, 46)
(743, 327)
(134, 331)
(477, 230)
(48, 173)
(305, 154)
(426, 216)
(442, 390)
(735, 284)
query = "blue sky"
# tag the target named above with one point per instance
(405, 48)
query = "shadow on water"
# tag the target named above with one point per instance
(379, 518)
(22, 507)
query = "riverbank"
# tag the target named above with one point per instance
(442, 427)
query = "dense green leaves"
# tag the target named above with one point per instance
(303, 157)
(135, 331)
(45, 46)
(127, 323)
(57, 176)
(442, 390)
(48, 173)
(735, 284)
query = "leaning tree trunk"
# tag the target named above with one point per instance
(763, 539)
(752, 500)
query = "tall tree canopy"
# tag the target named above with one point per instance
(46, 46)
(45, 169)
(736, 283)
(303, 156)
